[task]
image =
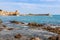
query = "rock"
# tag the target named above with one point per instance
(35, 24)
(35, 38)
(10, 28)
(50, 29)
(18, 36)
(58, 37)
(4, 26)
(54, 37)
(57, 28)
(16, 22)
(1, 29)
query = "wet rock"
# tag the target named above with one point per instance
(1, 29)
(4, 26)
(18, 36)
(57, 28)
(58, 37)
(54, 37)
(10, 28)
(50, 29)
(16, 22)
(35, 38)
(35, 24)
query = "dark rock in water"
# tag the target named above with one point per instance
(54, 37)
(18, 36)
(54, 30)
(10, 28)
(16, 22)
(1, 29)
(35, 24)
(35, 38)
(4, 26)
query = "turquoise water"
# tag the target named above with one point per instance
(55, 19)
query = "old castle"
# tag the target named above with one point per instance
(5, 13)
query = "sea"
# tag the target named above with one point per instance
(54, 19)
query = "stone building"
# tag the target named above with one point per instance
(5, 13)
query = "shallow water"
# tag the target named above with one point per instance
(25, 30)
(55, 19)
(30, 33)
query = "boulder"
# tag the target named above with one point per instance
(18, 36)
(10, 28)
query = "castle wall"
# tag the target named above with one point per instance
(5, 13)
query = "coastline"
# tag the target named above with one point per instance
(33, 30)
(12, 28)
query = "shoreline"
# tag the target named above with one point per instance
(33, 30)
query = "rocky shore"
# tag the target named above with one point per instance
(32, 31)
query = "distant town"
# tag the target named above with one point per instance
(17, 13)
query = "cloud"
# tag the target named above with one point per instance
(28, 7)
(37, 5)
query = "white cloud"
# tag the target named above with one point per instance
(37, 5)
(27, 7)
(31, 5)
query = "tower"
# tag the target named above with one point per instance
(17, 12)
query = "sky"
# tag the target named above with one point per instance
(31, 6)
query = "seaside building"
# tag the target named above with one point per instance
(5, 13)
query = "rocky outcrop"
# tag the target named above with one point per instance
(10, 28)
(35, 24)
(16, 22)
(54, 30)
(6, 13)
(47, 28)
(54, 37)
